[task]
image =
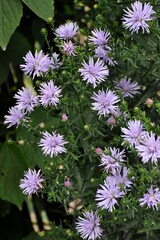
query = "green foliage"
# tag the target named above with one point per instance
(12, 11)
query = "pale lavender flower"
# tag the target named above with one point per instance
(89, 226)
(112, 161)
(151, 199)
(138, 17)
(55, 61)
(104, 54)
(49, 94)
(149, 148)
(32, 182)
(94, 73)
(108, 194)
(67, 31)
(134, 132)
(15, 117)
(105, 102)
(68, 48)
(52, 144)
(37, 64)
(128, 88)
(26, 99)
(100, 37)
(121, 179)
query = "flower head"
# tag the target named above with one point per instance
(26, 99)
(112, 161)
(149, 148)
(94, 73)
(49, 94)
(55, 61)
(68, 48)
(138, 17)
(89, 226)
(105, 102)
(100, 37)
(121, 179)
(52, 144)
(15, 117)
(151, 199)
(67, 31)
(37, 64)
(104, 54)
(108, 194)
(128, 88)
(134, 132)
(31, 182)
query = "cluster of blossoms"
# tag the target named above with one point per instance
(66, 33)
(107, 105)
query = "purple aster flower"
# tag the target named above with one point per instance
(108, 194)
(105, 102)
(112, 161)
(67, 31)
(149, 148)
(111, 122)
(94, 73)
(49, 94)
(128, 88)
(55, 61)
(138, 17)
(89, 226)
(37, 64)
(121, 179)
(68, 48)
(104, 55)
(52, 144)
(151, 199)
(15, 117)
(26, 99)
(134, 132)
(31, 182)
(100, 37)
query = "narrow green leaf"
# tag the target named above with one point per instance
(10, 16)
(42, 8)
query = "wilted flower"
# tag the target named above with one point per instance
(100, 37)
(37, 64)
(149, 102)
(31, 182)
(151, 199)
(49, 94)
(67, 31)
(138, 17)
(105, 102)
(26, 99)
(94, 73)
(15, 117)
(134, 132)
(149, 148)
(128, 88)
(52, 144)
(112, 161)
(108, 194)
(89, 226)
